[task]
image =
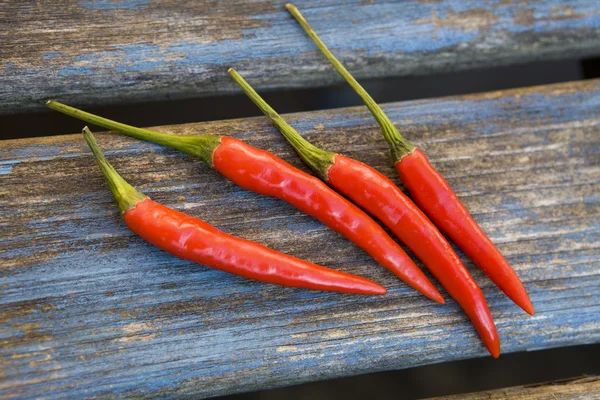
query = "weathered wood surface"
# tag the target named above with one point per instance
(87, 308)
(574, 389)
(118, 51)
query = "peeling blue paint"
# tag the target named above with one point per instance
(128, 58)
(426, 34)
(114, 4)
(51, 55)
(5, 169)
(139, 66)
(70, 70)
(36, 151)
(85, 64)
(140, 57)
(275, 329)
(412, 29)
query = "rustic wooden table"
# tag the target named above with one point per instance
(116, 52)
(89, 309)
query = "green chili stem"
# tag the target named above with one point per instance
(201, 146)
(318, 159)
(399, 146)
(125, 194)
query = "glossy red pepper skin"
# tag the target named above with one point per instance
(437, 199)
(378, 195)
(195, 240)
(262, 172)
(192, 239)
(448, 213)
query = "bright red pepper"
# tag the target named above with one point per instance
(478, 246)
(262, 172)
(192, 239)
(377, 194)
(431, 191)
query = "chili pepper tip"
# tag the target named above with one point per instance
(377, 289)
(495, 350)
(527, 306)
(437, 297)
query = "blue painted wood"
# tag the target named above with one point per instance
(109, 52)
(89, 309)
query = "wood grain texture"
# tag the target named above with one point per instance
(573, 389)
(118, 51)
(87, 308)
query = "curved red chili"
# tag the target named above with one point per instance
(192, 239)
(478, 246)
(431, 191)
(377, 194)
(264, 173)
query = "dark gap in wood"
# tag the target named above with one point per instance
(340, 95)
(446, 379)
(590, 68)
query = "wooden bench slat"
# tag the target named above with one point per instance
(573, 389)
(86, 307)
(114, 52)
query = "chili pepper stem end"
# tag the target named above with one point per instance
(399, 145)
(318, 159)
(125, 194)
(201, 146)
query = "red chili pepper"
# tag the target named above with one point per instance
(192, 239)
(432, 193)
(377, 194)
(264, 173)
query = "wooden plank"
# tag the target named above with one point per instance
(573, 389)
(87, 308)
(112, 52)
